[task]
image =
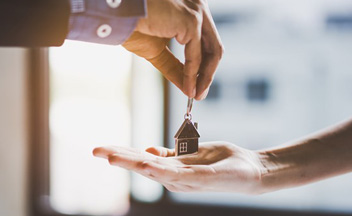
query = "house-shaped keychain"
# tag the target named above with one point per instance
(186, 138)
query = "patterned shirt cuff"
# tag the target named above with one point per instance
(104, 21)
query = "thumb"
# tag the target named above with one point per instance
(161, 151)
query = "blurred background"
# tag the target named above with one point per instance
(286, 73)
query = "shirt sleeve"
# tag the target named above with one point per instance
(104, 21)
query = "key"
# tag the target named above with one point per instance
(187, 137)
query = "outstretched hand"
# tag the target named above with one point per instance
(218, 166)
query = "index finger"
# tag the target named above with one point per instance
(193, 56)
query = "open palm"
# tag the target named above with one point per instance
(218, 166)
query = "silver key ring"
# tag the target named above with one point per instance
(189, 106)
(189, 117)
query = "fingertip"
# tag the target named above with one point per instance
(194, 92)
(203, 95)
(97, 152)
(94, 152)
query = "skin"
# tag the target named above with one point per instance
(191, 24)
(225, 167)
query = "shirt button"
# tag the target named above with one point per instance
(113, 3)
(104, 31)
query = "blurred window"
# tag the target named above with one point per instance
(92, 104)
(340, 21)
(257, 90)
(89, 107)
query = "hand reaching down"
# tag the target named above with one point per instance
(191, 24)
(217, 167)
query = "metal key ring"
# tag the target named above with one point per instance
(189, 106)
(188, 116)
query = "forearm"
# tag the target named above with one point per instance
(319, 156)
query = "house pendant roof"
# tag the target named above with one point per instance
(187, 130)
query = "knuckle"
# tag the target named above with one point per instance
(218, 52)
(194, 19)
(181, 40)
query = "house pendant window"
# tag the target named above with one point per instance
(183, 147)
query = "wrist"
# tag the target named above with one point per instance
(265, 166)
(286, 167)
(275, 171)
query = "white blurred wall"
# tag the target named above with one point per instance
(13, 132)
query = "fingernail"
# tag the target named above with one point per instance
(194, 92)
(204, 95)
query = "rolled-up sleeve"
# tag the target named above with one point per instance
(104, 21)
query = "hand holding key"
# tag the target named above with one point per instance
(218, 166)
(192, 25)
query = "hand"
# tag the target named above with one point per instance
(218, 166)
(190, 22)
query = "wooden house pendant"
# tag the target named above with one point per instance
(186, 138)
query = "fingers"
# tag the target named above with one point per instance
(191, 24)
(133, 159)
(104, 152)
(160, 151)
(190, 35)
(169, 171)
(126, 161)
(193, 58)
